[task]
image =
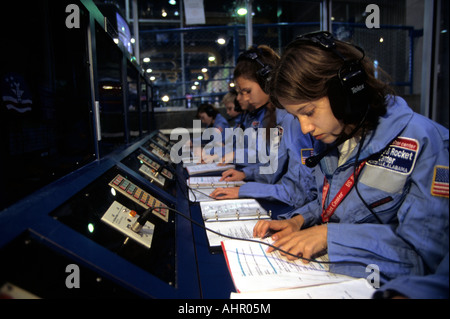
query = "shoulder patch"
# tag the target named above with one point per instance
(439, 187)
(305, 153)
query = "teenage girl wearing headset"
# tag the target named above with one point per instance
(290, 181)
(381, 170)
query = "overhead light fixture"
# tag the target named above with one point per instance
(221, 41)
(242, 11)
(172, 2)
(211, 58)
(146, 59)
(204, 70)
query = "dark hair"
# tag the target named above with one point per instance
(305, 72)
(207, 108)
(249, 67)
(252, 62)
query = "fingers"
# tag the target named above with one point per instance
(289, 248)
(225, 193)
(265, 227)
(228, 173)
(304, 243)
(217, 192)
(261, 229)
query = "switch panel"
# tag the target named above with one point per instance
(122, 219)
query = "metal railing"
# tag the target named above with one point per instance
(189, 67)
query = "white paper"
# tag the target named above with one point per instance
(194, 12)
(211, 182)
(253, 269)
(206, 168)
(236, 229)
(351, 289)
(233, 209)
(200, 194)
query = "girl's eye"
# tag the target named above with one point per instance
(308, 112)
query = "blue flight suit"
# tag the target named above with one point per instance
(220, 123)
(292, 182)
(246, 153)
(431, 286)
(405, 182)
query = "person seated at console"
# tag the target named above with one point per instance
(381, 170)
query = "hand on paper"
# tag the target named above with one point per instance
(305, 243)
(288, 236)
(225, 193)
(232, 175)
(280, 228)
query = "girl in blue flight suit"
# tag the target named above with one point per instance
(289, 180)
(381, 170)
(210, 116)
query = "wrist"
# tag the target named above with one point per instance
(298, 221)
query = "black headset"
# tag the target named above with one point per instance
(263, 74)
(347, 91)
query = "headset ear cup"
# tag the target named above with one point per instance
(338, 98)
(263, 77)
(354, 84)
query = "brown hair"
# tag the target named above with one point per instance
(249, 68)
(306, 70)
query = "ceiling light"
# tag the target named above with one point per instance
(242, 11)
(221, 41)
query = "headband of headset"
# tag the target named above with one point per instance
(263, 74)
(347, 91)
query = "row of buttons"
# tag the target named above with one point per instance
(152, 164)
(140, 196)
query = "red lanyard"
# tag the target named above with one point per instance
(345, 189)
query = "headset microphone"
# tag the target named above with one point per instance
(314, 160)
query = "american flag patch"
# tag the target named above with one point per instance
(305, 153)
(440, 181)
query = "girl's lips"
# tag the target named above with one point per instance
(318, 137)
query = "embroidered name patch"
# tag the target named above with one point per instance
(439, 187)
(399, 157)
